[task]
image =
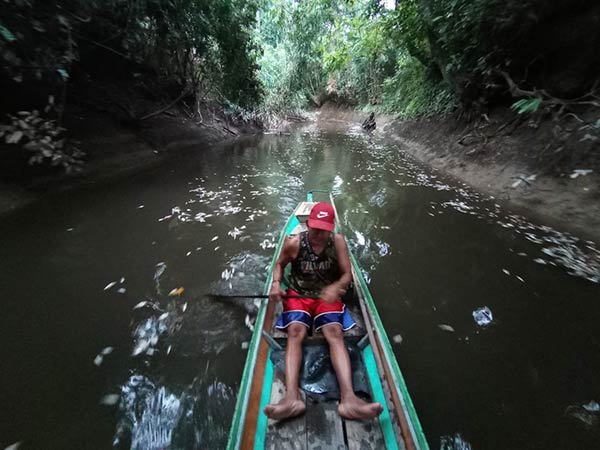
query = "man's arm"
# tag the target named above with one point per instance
(335, 290)
(289, 251)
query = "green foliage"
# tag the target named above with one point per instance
(353, 51)
(527, 105)
(43, 139)
(193, 44)
(410, 93)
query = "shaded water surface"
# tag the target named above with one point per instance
(102, 348)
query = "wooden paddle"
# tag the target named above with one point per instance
(249, 296)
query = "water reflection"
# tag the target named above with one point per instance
(433, 251)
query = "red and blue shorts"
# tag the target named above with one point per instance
(313, 313)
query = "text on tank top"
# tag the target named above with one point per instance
(311, 272)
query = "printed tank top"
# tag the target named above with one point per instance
(311, 272)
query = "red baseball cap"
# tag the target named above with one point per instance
(322, 217)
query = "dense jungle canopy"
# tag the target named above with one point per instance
(406, 57)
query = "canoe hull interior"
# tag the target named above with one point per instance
(376, 377)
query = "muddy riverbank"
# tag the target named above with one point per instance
(544, 171)
(115, 150)
(559, 186)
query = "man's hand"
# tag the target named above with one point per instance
(276, 292)
(332, 293)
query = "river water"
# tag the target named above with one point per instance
(109, 341)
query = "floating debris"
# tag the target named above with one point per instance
(587, 414)
(214, 238)
(100, 356)
(121, 290)
(483, 316)
(592, 406)
(141, 304)
(163, 316)
(14, 446)
(184, 307)
(176, 292)
(122, 280)
(523, 179)
(110, 399)
(506, 272)
(235, 232)
(397, 339)
(109, 285)
(580, 172)
(444, 327)
(245, 345)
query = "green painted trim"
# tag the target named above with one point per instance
(261, 425)
(398, 379)
(385, 421)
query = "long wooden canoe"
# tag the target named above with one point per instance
(321, 427)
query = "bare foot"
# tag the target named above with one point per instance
(357, 409)
(285, 409)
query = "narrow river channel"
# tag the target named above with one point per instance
(96, 353)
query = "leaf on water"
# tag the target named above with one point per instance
(506, 272)
(98, 360)
(141, 304)
(215, 238)
(16, 445)
(397, 339)
(107, 351)
(109, 285)
(122, 280)
(520, 279)
(184, 307)
(63, 73)
(444, 327)
(110, 399)
(143, 344)
(580, 172)
(176, 292)
(592, 406)
(168, 349)
(14, 138)
(163, 316)
(6, 34)
(121, 290)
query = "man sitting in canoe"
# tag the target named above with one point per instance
(321, 268)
